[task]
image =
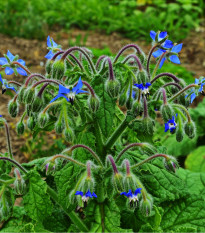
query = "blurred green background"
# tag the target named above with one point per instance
(111, 24)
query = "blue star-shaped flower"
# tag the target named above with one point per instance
(132, 196)
(145, 89)
(170, 125)
(53, 48)
(6, 63)
(166, 44)
(68, 94)
(173, 57)
(87, 195)
(192, 93)
(4, 87)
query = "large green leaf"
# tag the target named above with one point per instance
(37, 202)
(195, 161)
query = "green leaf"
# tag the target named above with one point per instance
(50, 126)
(106, 110)
(195, 161)
(37, 202)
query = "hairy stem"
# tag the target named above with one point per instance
(68, 158)
(23, 67)
(15, 163)
(32, 76)
(8, 139)
(164, 75)
(184, 109)
(149, 58)
(135, 58)
(157, 65)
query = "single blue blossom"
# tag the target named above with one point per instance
(5, 86)
(192, 93)
(53, 48)
(132, 196)
(161, 36)
(1, 115)
(87, 195)
(171, 55)
(145, 89)
(9, 67)
(170, 125)
(68, 94)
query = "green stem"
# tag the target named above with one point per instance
(51, 104)
(148, 159)
(132, 73)
(180, 113)
(8, 139)
(118, 131)
(72, 215)
(7, 182)
(157, 65)
(15, 163)
(68, 158)
(184, 109)
(65, 115)
(183, 90)
(22, 117)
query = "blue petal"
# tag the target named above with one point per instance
(8, 71)
(88, 194)
(172, 129)
(162, 62)
(3, 61)
(78, 86)
(168, 44)
(201, 88)
(129, 194)
(193, 96)
(21, 71)
(63, 90)
(152, 34)
(58, 96)
(166, 125)
(1, 115)
(48, 41)
(162, 35)
(1, 80)
(174, 59)
(158, 53)
(12, 88)
(79, 193)
(140, 86)
(138, 190)
(177, 48)
(54, 44)
(22, 62)
(94, 195)
(147, 85)
(10, 56)
(49, 55)
(80, 91)
(123, 193)
(196, 81)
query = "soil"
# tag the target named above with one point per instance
(33, 52)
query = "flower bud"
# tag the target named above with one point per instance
(49, 65)
(6, 202)
(37, 104)
(43, 119)
(93, 103)
(59, 126)
(58, 70)
(129, 103)
(171, 164)
(142, 58)
(87, 184)
(137, 108)
(190, 129)
(29, 95)
(179, 134)
(31, 123)
(50, 166)
(19, 183)
(28, 109)
(21, 94)
(122, 99)
(167, 112)
(149, 149)
(20, 128)
(142, 77)
(13, 108)
(147, 126)
(113, 87)
(129, 182)
(146, 207)
(118, 182)
(68, 134)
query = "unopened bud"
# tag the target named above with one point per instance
(31, 123)
(122, 99)
(179, 134)
(21, 94)
(58, 70)
(13, 108)
(43, 119)
(19, 183)
(118, 182)
(93, 103)
(190, 129)
(29, 95)
(50, 166)
(167, 112)
(171, 164)
(129, 103)
(49, 65)
(68, 134)
(147, 126)
(20, 128)
(59, 126)
(129, 182)
(146, 207)
(149, 149)
(37, 104)
(113, 87)
(137, 108)
(142, 77)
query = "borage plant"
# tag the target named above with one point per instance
(113, 177)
